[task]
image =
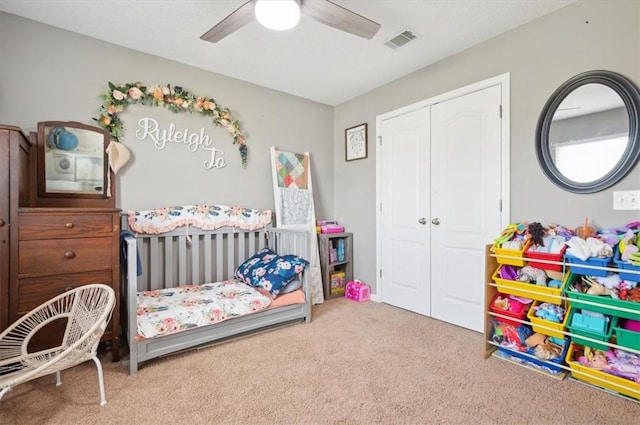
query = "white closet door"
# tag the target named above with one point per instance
(465, 202)
(404, 214)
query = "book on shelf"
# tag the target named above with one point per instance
(338, 281)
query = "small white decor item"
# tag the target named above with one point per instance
(118, 155)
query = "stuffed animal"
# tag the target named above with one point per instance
(548, 351)
(501, 303)
(598, 289)
(551, 312)
(535, 340)
(634, 295)
(532, 274)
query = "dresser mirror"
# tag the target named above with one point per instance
(587, 137)
(72, 161)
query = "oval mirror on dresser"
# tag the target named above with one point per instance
(587, 137)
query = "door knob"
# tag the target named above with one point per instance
(422, 221)
(436, 221)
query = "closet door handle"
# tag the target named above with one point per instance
(69, 254)
(2, 223)
(422, 221)
(436, 221)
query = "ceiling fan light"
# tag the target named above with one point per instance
(279, 15)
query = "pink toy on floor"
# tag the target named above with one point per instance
(357, 291)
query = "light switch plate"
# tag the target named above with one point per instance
(626, 200)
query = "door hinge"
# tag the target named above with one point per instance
(380, 273)
(500, 205)
(500, 110)
(380, 140)
(380, 206)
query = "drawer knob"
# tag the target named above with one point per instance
(69, 254)
(2, 223)
(69, 225)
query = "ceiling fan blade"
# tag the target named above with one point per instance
(236, 20)
(339, 18)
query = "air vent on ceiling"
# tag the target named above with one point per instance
(402, 39)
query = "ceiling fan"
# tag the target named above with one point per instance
(323, 11)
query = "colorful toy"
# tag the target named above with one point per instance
(357, 291)
(544, 347)
(532, 274)
(512, 337)
(514, 232)
(536, 232)
(632, 325)
(551, 312)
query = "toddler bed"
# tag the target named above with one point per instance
(181, 292)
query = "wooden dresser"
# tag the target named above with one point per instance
(17, 162)
(63, 248)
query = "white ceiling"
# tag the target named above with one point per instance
(312, 61)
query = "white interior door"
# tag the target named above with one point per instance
(404, 213)
(442, 183)
(465, 202)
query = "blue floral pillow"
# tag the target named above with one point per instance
(249, 271)
(279, 272)
(270, 271)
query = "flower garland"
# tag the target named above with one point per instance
(175, 98)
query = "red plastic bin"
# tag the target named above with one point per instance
(518, 310)
(547, 256)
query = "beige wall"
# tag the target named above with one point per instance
(51, 74)
(539, 56)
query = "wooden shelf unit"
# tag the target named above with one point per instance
(330, 266)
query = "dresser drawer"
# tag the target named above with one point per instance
(34, 291)
(40, 226)
(61, 256)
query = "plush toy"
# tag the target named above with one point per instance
(598, 289)
(555, 275)
(548, 351)
(532, 274)
(501, 303)
(544, 348)
(634, 295)
(535, 340)
(551, 312)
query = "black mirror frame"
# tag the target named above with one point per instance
(631, 98)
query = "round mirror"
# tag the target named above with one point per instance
(587, 136)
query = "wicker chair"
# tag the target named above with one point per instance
(87, 310)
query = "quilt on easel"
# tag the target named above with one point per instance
(296, 200)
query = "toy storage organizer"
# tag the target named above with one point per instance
(336, 262)
(576, 333)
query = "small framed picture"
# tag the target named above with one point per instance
(356, 142)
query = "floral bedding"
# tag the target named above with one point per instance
(172, 310)
(207, 217)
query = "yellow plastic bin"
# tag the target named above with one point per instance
(598, 378)
(547, 327)
(529, 290)
(504, 252)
